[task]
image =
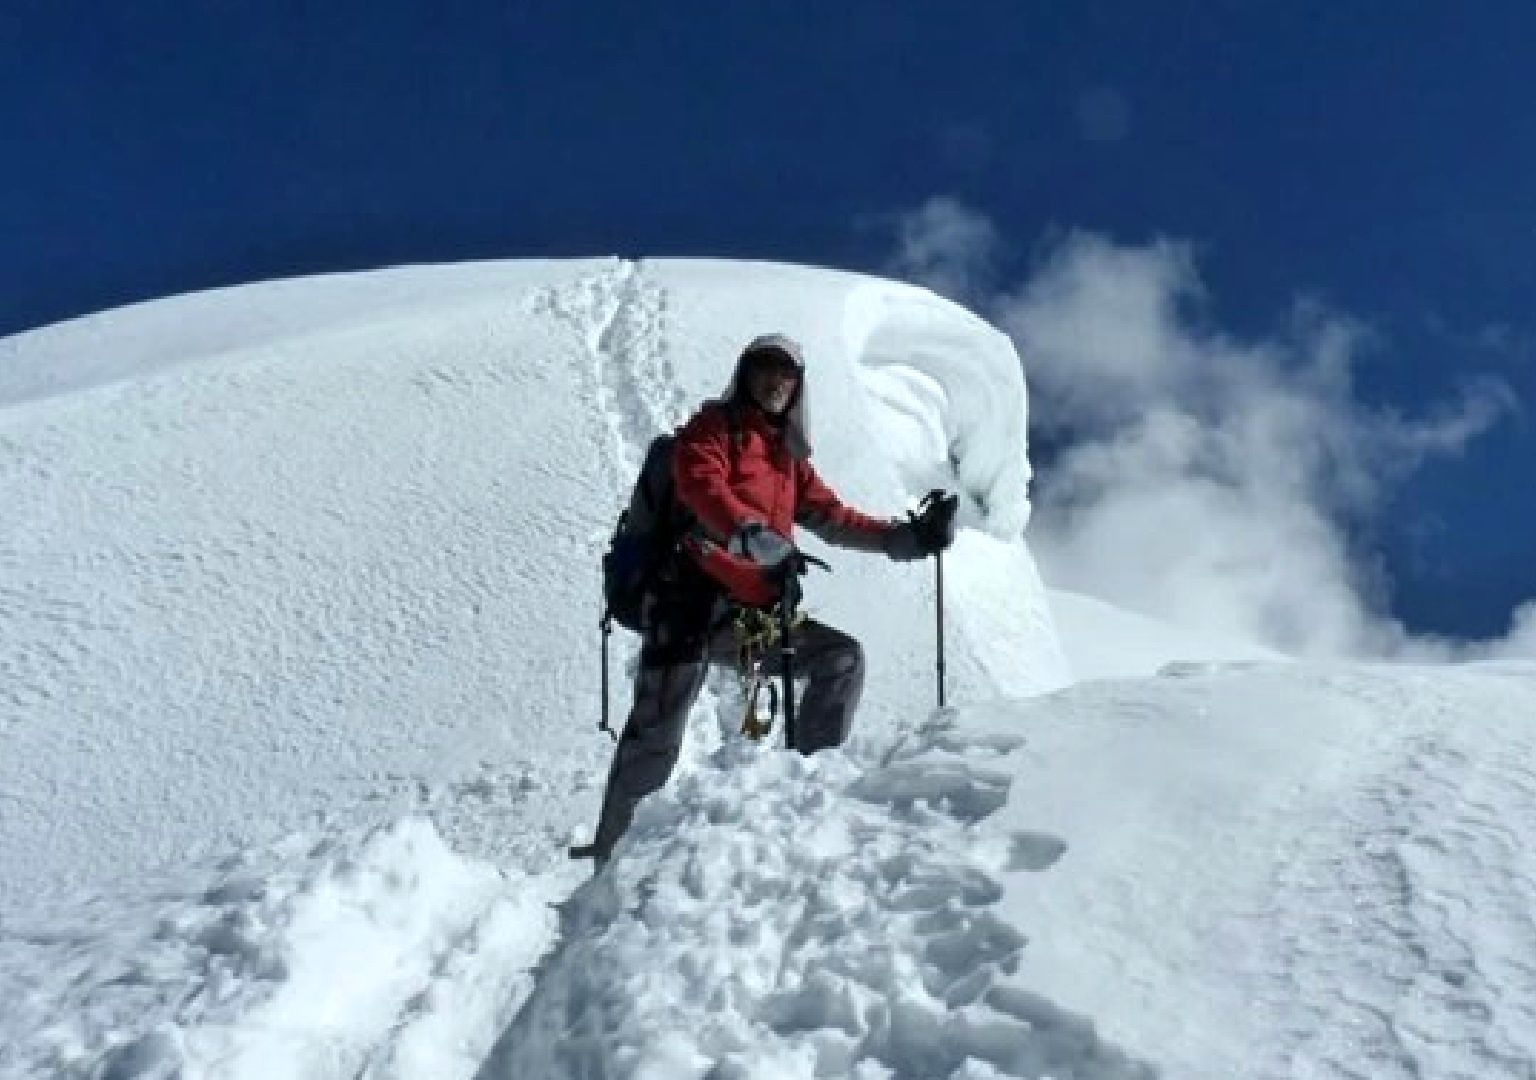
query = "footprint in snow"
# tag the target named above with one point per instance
(1034, 851)
(959, 791)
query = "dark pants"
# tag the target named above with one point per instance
(672, 671)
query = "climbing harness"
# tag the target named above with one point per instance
(757, 632)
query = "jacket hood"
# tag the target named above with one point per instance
(796, 417)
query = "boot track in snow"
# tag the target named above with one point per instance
(770, 914)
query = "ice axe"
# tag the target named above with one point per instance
(791, 569)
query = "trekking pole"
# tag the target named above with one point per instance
(936, 517)
(939, 573)
(603, 725)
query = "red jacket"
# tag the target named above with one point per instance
(726, 487)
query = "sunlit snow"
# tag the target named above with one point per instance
(298, 704)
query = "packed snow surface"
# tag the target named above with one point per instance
(298, 698)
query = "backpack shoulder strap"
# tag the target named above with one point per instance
(656, 473)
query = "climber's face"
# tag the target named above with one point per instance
(771, 381)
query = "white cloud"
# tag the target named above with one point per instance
(1104, 329)
(1520, 644)
(945, 246)
(1212, 481)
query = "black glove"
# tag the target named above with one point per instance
(902, 543)
(927, 532)
(935, 521)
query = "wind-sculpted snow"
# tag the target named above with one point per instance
(959, 394)
(778, 916)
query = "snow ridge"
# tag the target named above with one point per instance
(776, 915)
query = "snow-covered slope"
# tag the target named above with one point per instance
(1102, 641)
(269, 553)
(298, 687)
(1255, 872)
(1283, 872)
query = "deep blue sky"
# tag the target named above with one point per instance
(1379, 156)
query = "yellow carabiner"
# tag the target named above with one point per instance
(753, 726)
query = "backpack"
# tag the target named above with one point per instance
(648, 532)
(644, 539)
